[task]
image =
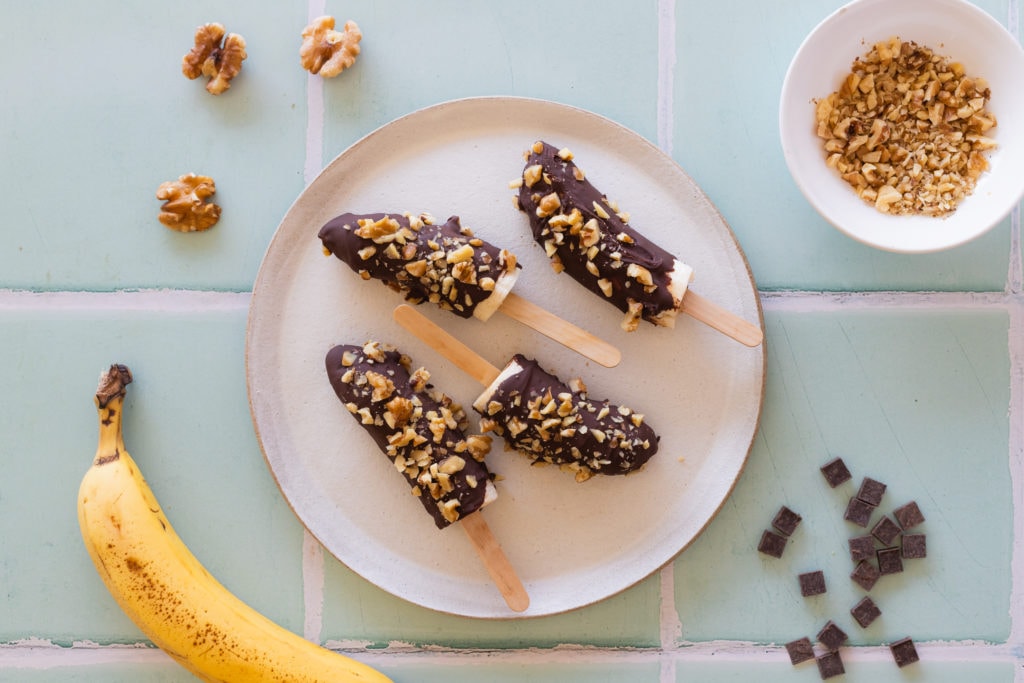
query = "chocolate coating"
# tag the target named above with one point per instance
(547, 420)
(417, 427)
(444, 264)
(565, 236)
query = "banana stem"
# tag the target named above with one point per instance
(109, 401)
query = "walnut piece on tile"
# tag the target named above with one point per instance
(216, 56)
(328, 52)
(185, 207)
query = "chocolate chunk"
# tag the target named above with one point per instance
(908, 515)
(830, 664)
(786, 521)
(800, 650)
(831, 636)
(871, 491)
(858, 512)
(885, 530)
(812, 583)
(865, 612)
(914, 546)
(835, 472)
(889, 561)
(865, 575)
(772, 544)
(904, 652)
(862, 548)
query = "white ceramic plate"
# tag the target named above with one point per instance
(572, 544)
(952, 28)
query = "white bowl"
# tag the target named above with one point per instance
(952, 28)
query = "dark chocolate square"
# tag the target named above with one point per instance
(830, 664)
(904, 652)
(835, 472)
(831, 636)
(885, 530)
(862, 548)
(772, 544)
(871, 491)
(812, 583)
(865, 611)
(800, 650)
(786, 521)
(908, 515)
(858, 512)
(865, 574)
(890, 561)
(914, 546)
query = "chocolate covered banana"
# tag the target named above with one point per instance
(586, 235)
(557, 423)
(444, 264)
(419, 429)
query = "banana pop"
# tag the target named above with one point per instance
(557, 423)
(444, 264)
(587, 236)
(417, 427)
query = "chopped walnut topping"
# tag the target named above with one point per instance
(383, 230)
(215, 56)
(634, 312)
(185, 208)
(907, 129)
(548, 204)
(328, 52)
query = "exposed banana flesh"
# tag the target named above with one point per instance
(165, 590)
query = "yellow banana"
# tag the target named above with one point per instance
(165, 590)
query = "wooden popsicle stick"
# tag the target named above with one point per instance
(726, 322)
(465, 358)
(562, 331)
(494, 559)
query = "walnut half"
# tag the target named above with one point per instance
(215, 56)
(328, 52)
(185, 208)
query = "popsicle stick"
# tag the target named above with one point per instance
(494, 559)
(726, 322)
(562, 331)
(465, 358)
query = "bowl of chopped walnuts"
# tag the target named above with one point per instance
(902, 122)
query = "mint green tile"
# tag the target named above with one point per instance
(96, 124)
(164, 672)
(481, 669)
(356, 610)
(594, 55)
(188, 427)
(915, 399)
(856, 671)
(726, 136)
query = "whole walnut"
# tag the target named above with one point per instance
(216, 56)
(328, 52)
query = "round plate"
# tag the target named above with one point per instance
(572, 544)
(952, 28)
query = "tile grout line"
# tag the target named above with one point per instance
(312, 551)
(37, 654)
(670, 627)
(1015, 340)
(201, 300)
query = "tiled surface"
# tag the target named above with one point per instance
(910, 368)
